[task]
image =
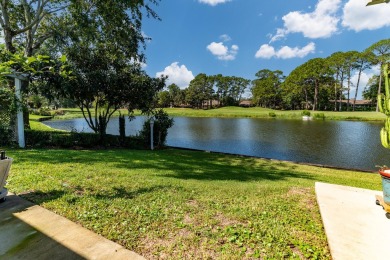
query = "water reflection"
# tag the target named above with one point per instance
(338, 143)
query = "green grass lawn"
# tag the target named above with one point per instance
(71, 113)
(183, 204)
(253, 112)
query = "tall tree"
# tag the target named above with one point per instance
(200, 90)
(309, 77)
(363, 62)
(337, 64)
(164, 99)
(349, 66)
(265, 88)
(222, 85)
(174, 95)
(381, 50)
(238, 86)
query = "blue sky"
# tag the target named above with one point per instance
(241, 37)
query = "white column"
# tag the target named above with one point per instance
(20, 121)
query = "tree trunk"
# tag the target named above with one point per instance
(335, 92)
(307, 101)
(8, 36)
(348, 90)
(379, 87)
(357, 88)
(315, 96)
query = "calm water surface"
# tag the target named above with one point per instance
(337, 143)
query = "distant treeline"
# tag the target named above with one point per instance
(318, 84)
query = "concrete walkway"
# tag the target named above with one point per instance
(28, 231)
(356, 227)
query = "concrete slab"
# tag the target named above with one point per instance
(356, 227)
(28, 231)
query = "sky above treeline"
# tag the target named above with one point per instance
(241, 37)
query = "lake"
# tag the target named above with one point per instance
(346, 144)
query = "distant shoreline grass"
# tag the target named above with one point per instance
(184, 204)
(253, 112)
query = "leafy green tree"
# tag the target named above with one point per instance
(101, 83)
(164, 99)
(381, 50)
(200, 90)
(266, 88)
(308, 78)
(175, 95)
(229, 89)
(31, 23)
(238, 86)
(222, 93)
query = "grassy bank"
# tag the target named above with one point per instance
(184, 204)
(256, 112)
(253, 112)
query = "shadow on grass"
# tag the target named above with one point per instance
(74, 193)
(170, 163)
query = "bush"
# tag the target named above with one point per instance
(74, 139)
(305, 113)
(271, 114)
(162, 123)
(41, 112)
(7, 114)
(319, 116)
(59, 112)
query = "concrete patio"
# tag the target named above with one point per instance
(355, 226)
(28, 231)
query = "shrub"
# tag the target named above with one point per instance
(59, 112)
(162, 123)
(40, 112)
(7, 114)
(271, 114)
(74, 139)
(319, 116)
(305, 113)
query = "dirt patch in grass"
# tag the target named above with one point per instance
(306, 197)
(225, 221)
(193, 203)
(182, 245)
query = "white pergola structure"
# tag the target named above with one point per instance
(19, 77)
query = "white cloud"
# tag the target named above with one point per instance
(223, 52)
(321, 23)
(213, 2)
(177, 74)
(357, 16)
(225, 38)
(267, 51)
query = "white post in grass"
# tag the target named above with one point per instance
(151, 132)
(19, 115)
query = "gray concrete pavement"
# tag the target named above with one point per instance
(355, 226)
(28, 231)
